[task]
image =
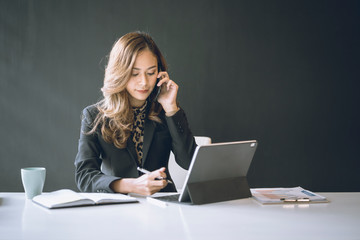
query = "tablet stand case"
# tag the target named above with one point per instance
(219, 190)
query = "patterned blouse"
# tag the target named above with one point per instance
(138, 130)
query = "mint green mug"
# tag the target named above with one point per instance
(33, 179)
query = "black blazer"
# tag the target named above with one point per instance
(99, 163)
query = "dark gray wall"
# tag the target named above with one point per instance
(283, 72)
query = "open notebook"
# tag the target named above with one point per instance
(68, 198)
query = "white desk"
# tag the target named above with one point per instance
(239, 219)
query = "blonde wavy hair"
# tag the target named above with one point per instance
(115, 115)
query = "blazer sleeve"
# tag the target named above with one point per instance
(88, 175)
(183, 141)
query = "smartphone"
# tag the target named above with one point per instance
(157, 89)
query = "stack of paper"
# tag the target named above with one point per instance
(286, 195)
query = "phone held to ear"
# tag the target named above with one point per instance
(157, 89)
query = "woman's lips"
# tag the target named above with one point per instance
(143, 91)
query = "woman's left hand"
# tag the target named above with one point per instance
(168, 94)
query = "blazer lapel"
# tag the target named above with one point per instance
(131, 149)
(148, 136)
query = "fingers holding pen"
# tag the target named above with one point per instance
(151, 182)
(158, 174)
(158, 178)
(146, 184)
(161, 175)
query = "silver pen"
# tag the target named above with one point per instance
(147, 172)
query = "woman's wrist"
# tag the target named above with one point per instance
(123, 185)
(170, 111)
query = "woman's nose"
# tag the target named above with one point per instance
(143, 80)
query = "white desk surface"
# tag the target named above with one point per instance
(238, 219)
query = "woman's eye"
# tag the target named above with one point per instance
(134, 74)
(152, 73)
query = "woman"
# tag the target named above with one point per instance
(133, 125)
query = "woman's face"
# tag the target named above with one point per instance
(143, 78)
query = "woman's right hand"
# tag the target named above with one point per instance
(146, 184)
